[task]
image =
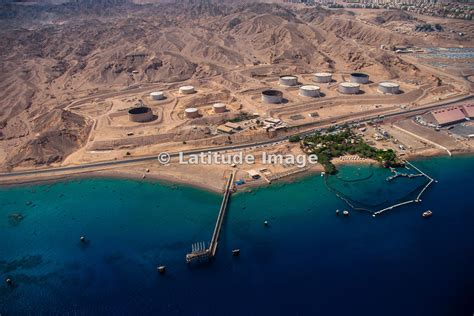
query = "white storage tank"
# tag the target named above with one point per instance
(349, 88)
(187, 90)
(389, 87)
(219, 108)
(156, 96)
(191, 112)
(272, 96)
(323, 77)
(310, 91)
(288, 81)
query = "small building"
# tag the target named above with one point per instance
(225, 129)
(254, 174)
(448, 116)
(234, 126)
(272, 120)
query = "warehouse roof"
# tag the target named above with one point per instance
(448, 116)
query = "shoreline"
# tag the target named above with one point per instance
(195, 183)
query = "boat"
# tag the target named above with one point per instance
(427, 214)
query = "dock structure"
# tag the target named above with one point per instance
(417, 199)
(391, 207)
(199, 251)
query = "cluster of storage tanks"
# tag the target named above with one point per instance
(350, 87)
(144, 114)
(358, 78)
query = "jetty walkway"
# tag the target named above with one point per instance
(199, 251)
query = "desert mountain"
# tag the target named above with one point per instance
(50, 54)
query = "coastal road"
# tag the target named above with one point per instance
(312, 127)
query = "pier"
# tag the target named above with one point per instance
(395, 175)
(199, 251)
(417, 199)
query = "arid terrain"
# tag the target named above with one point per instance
(70, 72)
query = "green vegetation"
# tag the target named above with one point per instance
(345, 142)
(244, 116)
(294, 138)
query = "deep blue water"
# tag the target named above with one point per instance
(308, 261)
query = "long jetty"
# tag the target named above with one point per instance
(198, 250)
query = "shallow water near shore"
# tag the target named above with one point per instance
(307, 261)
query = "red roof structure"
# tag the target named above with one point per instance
(448, 116)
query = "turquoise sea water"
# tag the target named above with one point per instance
(308, 261)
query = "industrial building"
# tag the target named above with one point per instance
(448, 116)
(322, 77)
(468, 110)
(360, 78)
(140, 114)
(219, 108)
(349, 88)
(272, 96)
(288, 81)
(191, 112)
(310, 91)
(389, 87)
(187, 90)
(156, 96)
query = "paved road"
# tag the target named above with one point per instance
(311, 128)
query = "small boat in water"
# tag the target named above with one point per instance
(427, 214)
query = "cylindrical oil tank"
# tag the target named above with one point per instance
(309, 91)
(272, 96)
(140, 114)
(349, 88)
(219, 107)
(156, 96)
(358, 77)
(322, 77)
(191, 112)
(389, 87)
(288, 81)
(187, 90)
